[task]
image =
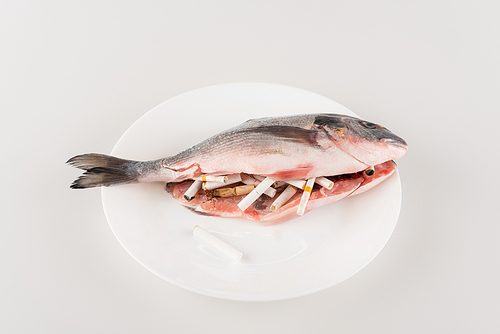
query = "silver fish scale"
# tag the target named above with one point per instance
(236, 140)
(302, 121)
(242, 137)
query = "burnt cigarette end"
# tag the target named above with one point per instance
(192, 190)
(370, 171)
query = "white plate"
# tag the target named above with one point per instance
(296, 258)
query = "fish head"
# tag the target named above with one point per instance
(367, 142)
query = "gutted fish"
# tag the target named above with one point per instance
(281, 149)
(208, 203)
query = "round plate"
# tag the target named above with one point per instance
(296, 258)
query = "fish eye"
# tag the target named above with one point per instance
(369, 125)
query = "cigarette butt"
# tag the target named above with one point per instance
(324, 182)
(256, 193)
(247, 179)
(283, 197)
(243, 190)
(305, 196)
(236, 191)
(192, 190)
(231, 179)
(212, 178)
(217, 243)
(297, 183)
(271, 192)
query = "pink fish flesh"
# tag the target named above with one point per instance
(344, 186)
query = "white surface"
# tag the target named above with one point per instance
(283, 261)
(216, 243)
(76, 75)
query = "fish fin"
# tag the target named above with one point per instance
(298, 173)
(102, 170)
(287, 133)
(92, 160)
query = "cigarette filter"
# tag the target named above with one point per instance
(283, 197)
(212, 178)
(231, 179)
(236, 191)
(297, 183)
(324, 182)
(217, 243)
(247, 179)
(256, 193)
(305, 196)
(192, 190)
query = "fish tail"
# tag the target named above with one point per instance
(104, 170)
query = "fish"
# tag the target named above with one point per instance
(283, 148)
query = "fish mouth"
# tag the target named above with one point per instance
(397, 142)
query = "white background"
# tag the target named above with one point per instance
(74, 75)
